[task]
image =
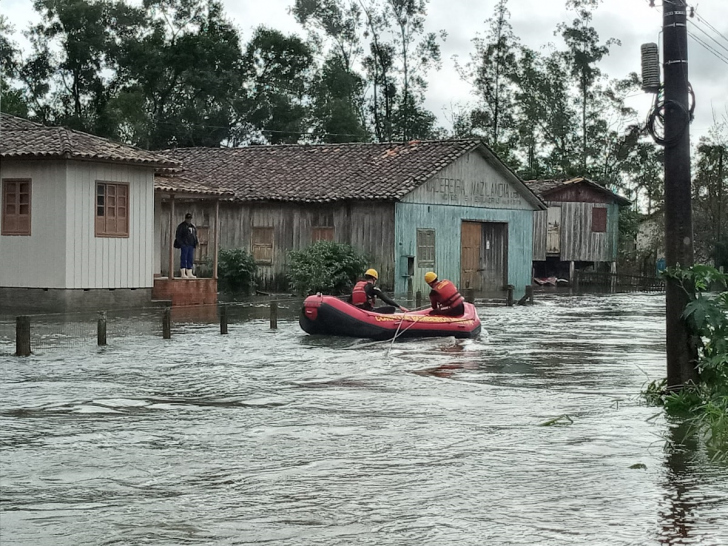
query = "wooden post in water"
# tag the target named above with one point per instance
(529, 294)
(167, 323)
(101, 329)
(274, 315)
(418, 299)
(22, 336)
(469, 295)
(223, 319)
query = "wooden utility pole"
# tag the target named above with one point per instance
(681, 353)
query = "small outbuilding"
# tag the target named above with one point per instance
(77, 214)
(580, 229)
(451, 206)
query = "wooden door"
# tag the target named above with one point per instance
(553, 233)
(494, 257)
(470, 246)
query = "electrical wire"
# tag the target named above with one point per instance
(708, 35)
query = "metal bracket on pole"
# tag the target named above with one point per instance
(676, 61)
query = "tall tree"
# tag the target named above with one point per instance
(278, 76)
(583, 53)
(491, 73)
(338, 91)
(179, 76)
(12, 99)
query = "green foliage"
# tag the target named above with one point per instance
(236, 270)
(326, 267)
(705, 404)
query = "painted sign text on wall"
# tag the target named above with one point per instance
(475, 192)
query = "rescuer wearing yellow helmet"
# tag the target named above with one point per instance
(365, 294)
(444, 297)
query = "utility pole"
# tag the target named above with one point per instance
(681, 352)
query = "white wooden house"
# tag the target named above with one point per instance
(77, 218)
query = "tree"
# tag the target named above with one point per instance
(491, 72)
(278, 73)
(710, 199)
(179, 75)
(583, 53)
(338, 89)
(12, 100)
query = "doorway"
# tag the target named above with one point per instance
(484, 256)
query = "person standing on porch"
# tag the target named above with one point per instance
(186, 240)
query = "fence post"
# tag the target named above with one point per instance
(274, 315)
(101, 329)
(509, 295)
(529, 293)
(22, 336)
(418, 299)
(223, 319)
(469, 295)
(167, 323)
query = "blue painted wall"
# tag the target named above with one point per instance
(446, 220)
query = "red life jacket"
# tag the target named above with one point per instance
(447, 294)
(359, 296)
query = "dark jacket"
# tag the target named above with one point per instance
(186, 235)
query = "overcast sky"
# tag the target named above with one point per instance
(632, 22)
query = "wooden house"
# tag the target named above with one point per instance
(449, 206)
(77, 218)
(580, 229)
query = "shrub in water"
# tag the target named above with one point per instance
(326, 267)
(236, 270)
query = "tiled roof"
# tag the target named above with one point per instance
(175, 183)
(543, 188)
(20, 138)
(321, 172)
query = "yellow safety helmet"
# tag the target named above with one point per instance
(430, 276)
(372, 273)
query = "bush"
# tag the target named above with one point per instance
(236, 270)
(326, 267)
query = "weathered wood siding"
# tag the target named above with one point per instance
(540, 230)
(446, 221)
(38, 260)
(368, 227)
(109, 262)
(470, 189)
(579, 242)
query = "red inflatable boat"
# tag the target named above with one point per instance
(328, 315)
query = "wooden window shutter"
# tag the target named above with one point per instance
(263, 245)
(599, 220)
(16, 208)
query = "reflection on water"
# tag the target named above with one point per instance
(276, 437)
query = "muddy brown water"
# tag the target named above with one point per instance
(277, 437)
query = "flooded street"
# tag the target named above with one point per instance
(277, 437)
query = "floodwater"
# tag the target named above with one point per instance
(276, 437)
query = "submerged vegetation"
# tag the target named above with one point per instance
(236, 270)
(704, 405)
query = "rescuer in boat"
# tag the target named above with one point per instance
(444, 297)
(365, 294)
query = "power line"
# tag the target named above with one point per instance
(711, 26)
(709, 48)
(708, 35)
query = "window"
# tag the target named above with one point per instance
(322, 234)
(322, 226)
(112, 210)
(263, 245)
(16, 207)
(599, 220)
(425, 248)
